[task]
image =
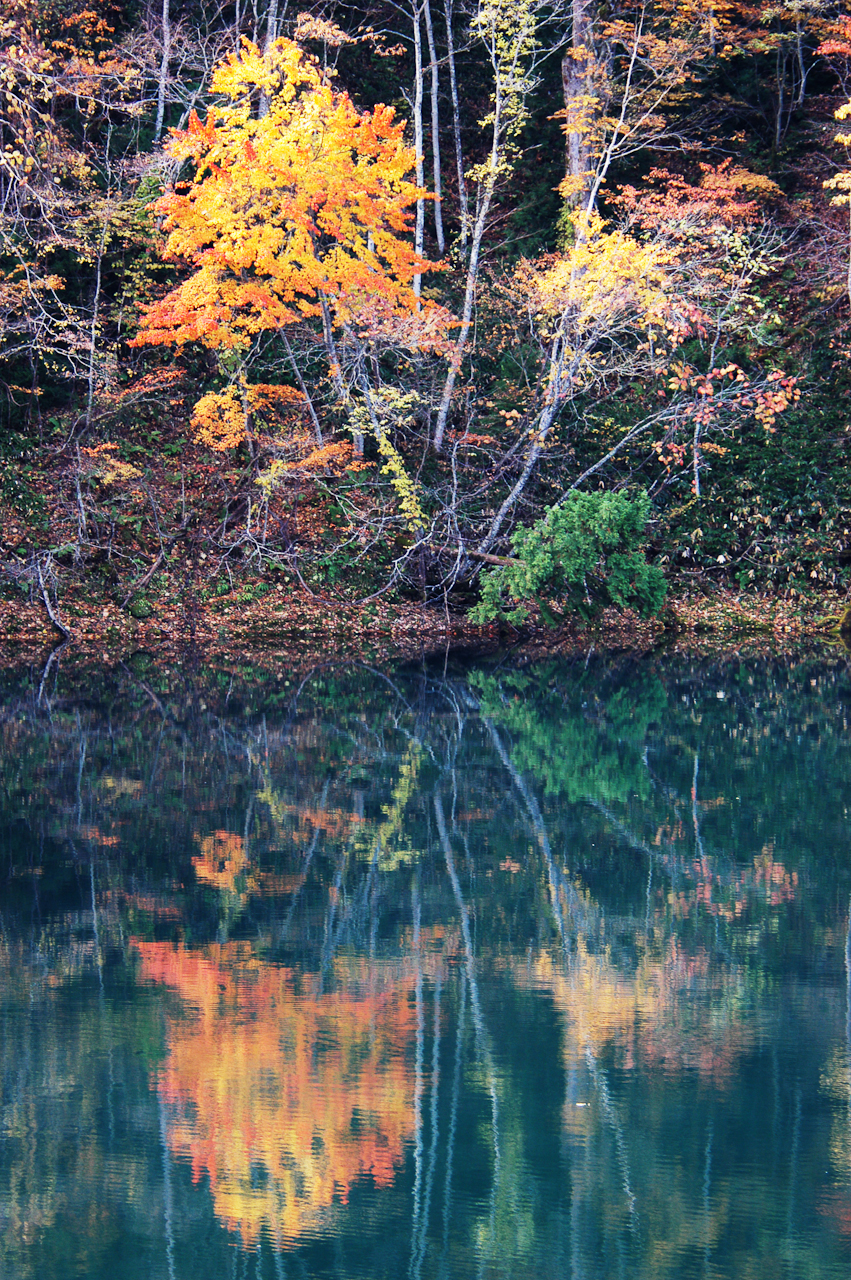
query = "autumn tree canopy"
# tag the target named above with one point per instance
(299, 207)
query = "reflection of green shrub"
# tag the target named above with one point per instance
(578, 749)
(583, 555)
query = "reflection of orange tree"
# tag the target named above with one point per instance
(223, 863)
(222, 860)
(284, 1095)
(734, 893)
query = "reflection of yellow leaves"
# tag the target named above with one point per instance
(221, 860)
(95, 836)
(283, 1094)
(508, 864)
(332, 821)
(835, 1081)
(390, 826)
(647, 1013)
(128, 787)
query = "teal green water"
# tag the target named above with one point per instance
(444, 973)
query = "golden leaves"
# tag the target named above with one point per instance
(219, 419)
(101, 463)
(309, 202)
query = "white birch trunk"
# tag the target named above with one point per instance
(162, 79)
(435, 131)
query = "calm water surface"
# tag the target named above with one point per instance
(478, 972)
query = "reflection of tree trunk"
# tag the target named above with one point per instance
(432, 1155)
(50, 661)
(167, 1198)
(453, 1118)
(698, 839)
(610, 1112)
(418, 1074)
(329, 945)
(562, 892)
(475, 1005)
(848, 985)
(707, 1202)
(793, 1179)
(81, 761)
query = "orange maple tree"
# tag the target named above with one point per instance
(299, 208)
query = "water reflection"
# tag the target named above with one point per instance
(494, 972)
(281, 1093)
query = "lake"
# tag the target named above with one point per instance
(445, 971)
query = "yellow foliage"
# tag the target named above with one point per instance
(100, 462)
(219, 419)
(841, 182)
(309, 200)
(605, 287)
(603, 274)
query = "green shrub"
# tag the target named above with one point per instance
(582, 555)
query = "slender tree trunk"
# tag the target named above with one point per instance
(456, 130)
(781, 98)
(271, 37)
(317, 429)
(419, 228)
(336, 368)
(508, 49)
(162, 80)
(435, 131)
(272, 24)
(575, 72)
(486, 193)
(802, 70)
(90, 398)
(554, 400)
(848, 274)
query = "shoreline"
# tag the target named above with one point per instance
(302, 626)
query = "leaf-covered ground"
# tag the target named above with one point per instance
(302, 629)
